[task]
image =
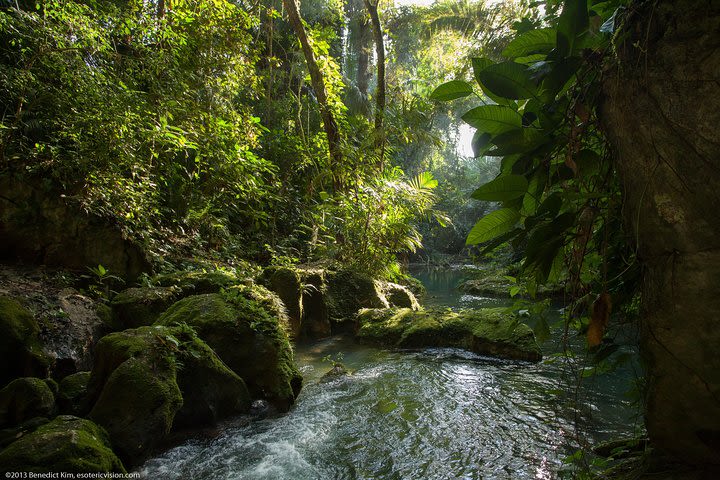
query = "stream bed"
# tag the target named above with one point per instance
(430, 414)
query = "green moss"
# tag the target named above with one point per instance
(197, 282)
(348, 292)
(286, 283)
(245, 328)
(136, 307)
(72, 391)
(483, 331)
(23, 399)
(20, 351)
(67, 444)
(150, 380)
(400, 296)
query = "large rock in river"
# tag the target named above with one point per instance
(67, 444)
(246, 326)
(287, 284)
(147, 380)
(483, 331)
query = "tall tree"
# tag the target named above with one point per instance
(372, 8)
(661, 113)
(318, 83)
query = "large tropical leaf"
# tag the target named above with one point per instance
(509, 80)
(493, 119)
(535, 41)
(505, 187)
(493, 225)
(574, 21)
(452, 90)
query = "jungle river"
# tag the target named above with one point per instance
(430, 414)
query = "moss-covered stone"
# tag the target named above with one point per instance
(9, 435)
(67, 444)
(347, 293)
(400, 296)
(245, 328)
(210, 390)
(286, 283)
(484, 331)
(23, 399)
(137, 307)
(315, 322)
(149, 380)
(71, 393)
(197, 282)
(20, 351)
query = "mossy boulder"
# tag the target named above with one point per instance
(137, 307)
(72, 392)
(245, 327)
(286, 283)
(9, 435)
(347, 293)
(400, 296)
(315, 321)
(67, 444)
(146, 378)
(23, 399)
(21, 353)
(197, 282)
(483, 331)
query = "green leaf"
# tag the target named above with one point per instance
(573, 22)
(531, 200)
(424, 180)
(452, 90)
(558, 77)
(535, 41)
(503, 188)
(480, 143)
(517, 141)
(478, 65)
(101, 270)
(493, 119)
(493, 225)
(509, 80)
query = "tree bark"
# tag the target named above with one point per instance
(318, 84)
(661, 113)
(380, 91)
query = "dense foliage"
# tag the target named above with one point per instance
(194, 125)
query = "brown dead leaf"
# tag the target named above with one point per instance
(599, 319)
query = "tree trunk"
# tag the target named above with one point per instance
(661, 113)
(318, 84)
(380, 91)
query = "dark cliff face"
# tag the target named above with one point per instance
(41, 226)
(661, 113)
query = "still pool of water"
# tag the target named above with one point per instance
(431, 414)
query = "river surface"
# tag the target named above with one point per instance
(431, 414)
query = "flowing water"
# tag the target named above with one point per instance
(431, 414)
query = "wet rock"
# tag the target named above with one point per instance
(137, 307)
(483, 331)
(67, 444)
(246, 327)
(400, 296)
(23, 399)
(70, 336)
(21, 353)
